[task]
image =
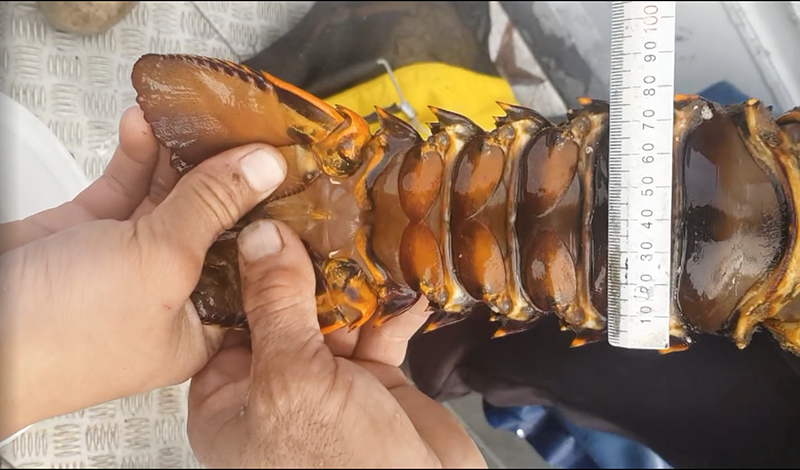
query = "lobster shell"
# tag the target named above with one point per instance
(513, 219)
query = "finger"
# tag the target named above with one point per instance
(343, 341)
(114, 195)
(20, 232)
(217, 396)
(436, 425)
(126, 180)
(278, 287)
(227, 368)
(213, 197)
(236, 338)
(162, 183)
(387, 344)
(439, 428)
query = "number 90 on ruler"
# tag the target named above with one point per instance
(640, 173)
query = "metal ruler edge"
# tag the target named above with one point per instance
(640, 174)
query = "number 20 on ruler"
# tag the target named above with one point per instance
(640, 173)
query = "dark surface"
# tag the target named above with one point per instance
(337, 44)
(710, 406)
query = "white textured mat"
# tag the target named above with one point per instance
(79, 87)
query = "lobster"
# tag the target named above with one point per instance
(513, 218)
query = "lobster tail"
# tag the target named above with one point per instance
(511, 219)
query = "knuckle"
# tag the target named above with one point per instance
(276, 288)
(120, 187)
(217, 197)
(279, 307)
(159, 191)
(274, 293)
(156, 246)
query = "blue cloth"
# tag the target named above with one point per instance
(563, 444)
(724, 93)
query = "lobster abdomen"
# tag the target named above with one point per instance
(513, 218)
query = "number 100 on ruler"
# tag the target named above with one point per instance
(640, 173)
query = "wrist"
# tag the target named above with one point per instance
(15, 386)
(21, 401)
(37, 362)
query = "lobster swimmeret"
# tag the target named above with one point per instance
(513, 218)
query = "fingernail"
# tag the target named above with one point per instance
(260, 239)
(263, 169)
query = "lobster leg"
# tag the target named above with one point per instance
(329, 317)
(790, 124)
(349, 289)
(217, 296)
(344, 295)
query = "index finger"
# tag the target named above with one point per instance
(126, 179)
(387, 343)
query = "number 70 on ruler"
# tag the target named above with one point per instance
(640, 173)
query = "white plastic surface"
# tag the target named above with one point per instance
(38, 171)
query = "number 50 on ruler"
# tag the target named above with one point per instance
(640, 173)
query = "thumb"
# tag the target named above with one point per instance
(278, 295)
(213, 196)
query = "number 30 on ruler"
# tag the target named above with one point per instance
(640, 173)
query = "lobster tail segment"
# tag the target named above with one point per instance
(777, 151)
(790, 124)
(735, 253)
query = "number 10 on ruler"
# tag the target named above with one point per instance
(640, 173)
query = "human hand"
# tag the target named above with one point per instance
(293, 398)
(96, 291)
(136, 180)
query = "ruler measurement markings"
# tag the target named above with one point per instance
(640, 204)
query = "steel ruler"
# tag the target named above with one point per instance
(640, 173)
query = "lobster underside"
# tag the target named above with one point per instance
(513, 219)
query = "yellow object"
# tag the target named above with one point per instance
(424, 84)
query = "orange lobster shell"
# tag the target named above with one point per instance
(513, 219)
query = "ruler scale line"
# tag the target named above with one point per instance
(640, 148)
